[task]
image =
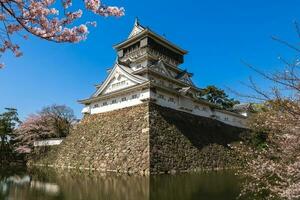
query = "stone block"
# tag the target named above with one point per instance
(147, 139)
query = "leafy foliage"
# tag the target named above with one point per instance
(218, 97)
(8, 122)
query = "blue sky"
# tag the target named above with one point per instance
(217, 34)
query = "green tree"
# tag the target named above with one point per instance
(218, 97)
(8, 122)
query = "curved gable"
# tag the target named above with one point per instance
(118, 78)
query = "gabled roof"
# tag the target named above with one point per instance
(114, 93)
(126, 71)
(183, 73)
(140, 31)
(160, 64)
(137, 28)
(184, 90)
(185, 76)
(243, 107)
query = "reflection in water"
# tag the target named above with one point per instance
(36, 184)
(49, 188)
(205, 186)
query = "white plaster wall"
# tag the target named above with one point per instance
(202, 110)
(138, 66)
(187, 105)
(98, 107)
(230, 119)
(51, 142)
(113, 85)
(163, 99)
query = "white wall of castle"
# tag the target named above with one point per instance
(176, 102)
(49, 142)
(197, 108)
(118, 83)
(137, 66)
(118, 102)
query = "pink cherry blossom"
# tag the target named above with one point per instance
(43, 19)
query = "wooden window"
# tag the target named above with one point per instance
(118, 84)
(96, 106)
(134, 96)
(160, 96)
(104, 103)
(161, 82)
(114, 101)
(123, 99)
(152, 79)
(138, 66)
(171, 99)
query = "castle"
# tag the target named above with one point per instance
(147, 69)
(146, 117)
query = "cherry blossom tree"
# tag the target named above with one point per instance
(33, 128)
(273, 169)
(47, 19)
(51, 122)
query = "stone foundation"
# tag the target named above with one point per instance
(184, 142)
(146, 139)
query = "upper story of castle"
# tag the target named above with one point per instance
(146, 57)
(144, 52)
(144, 47)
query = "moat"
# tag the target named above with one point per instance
(22, 184)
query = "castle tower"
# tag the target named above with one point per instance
(147, 118)
(144, 47)
(147, 68)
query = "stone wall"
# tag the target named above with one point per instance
(145, 139)
(183, 142)
(113, 141)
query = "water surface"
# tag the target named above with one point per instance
(21, 184)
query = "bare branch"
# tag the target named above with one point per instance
(297, 28)
(285, 43)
